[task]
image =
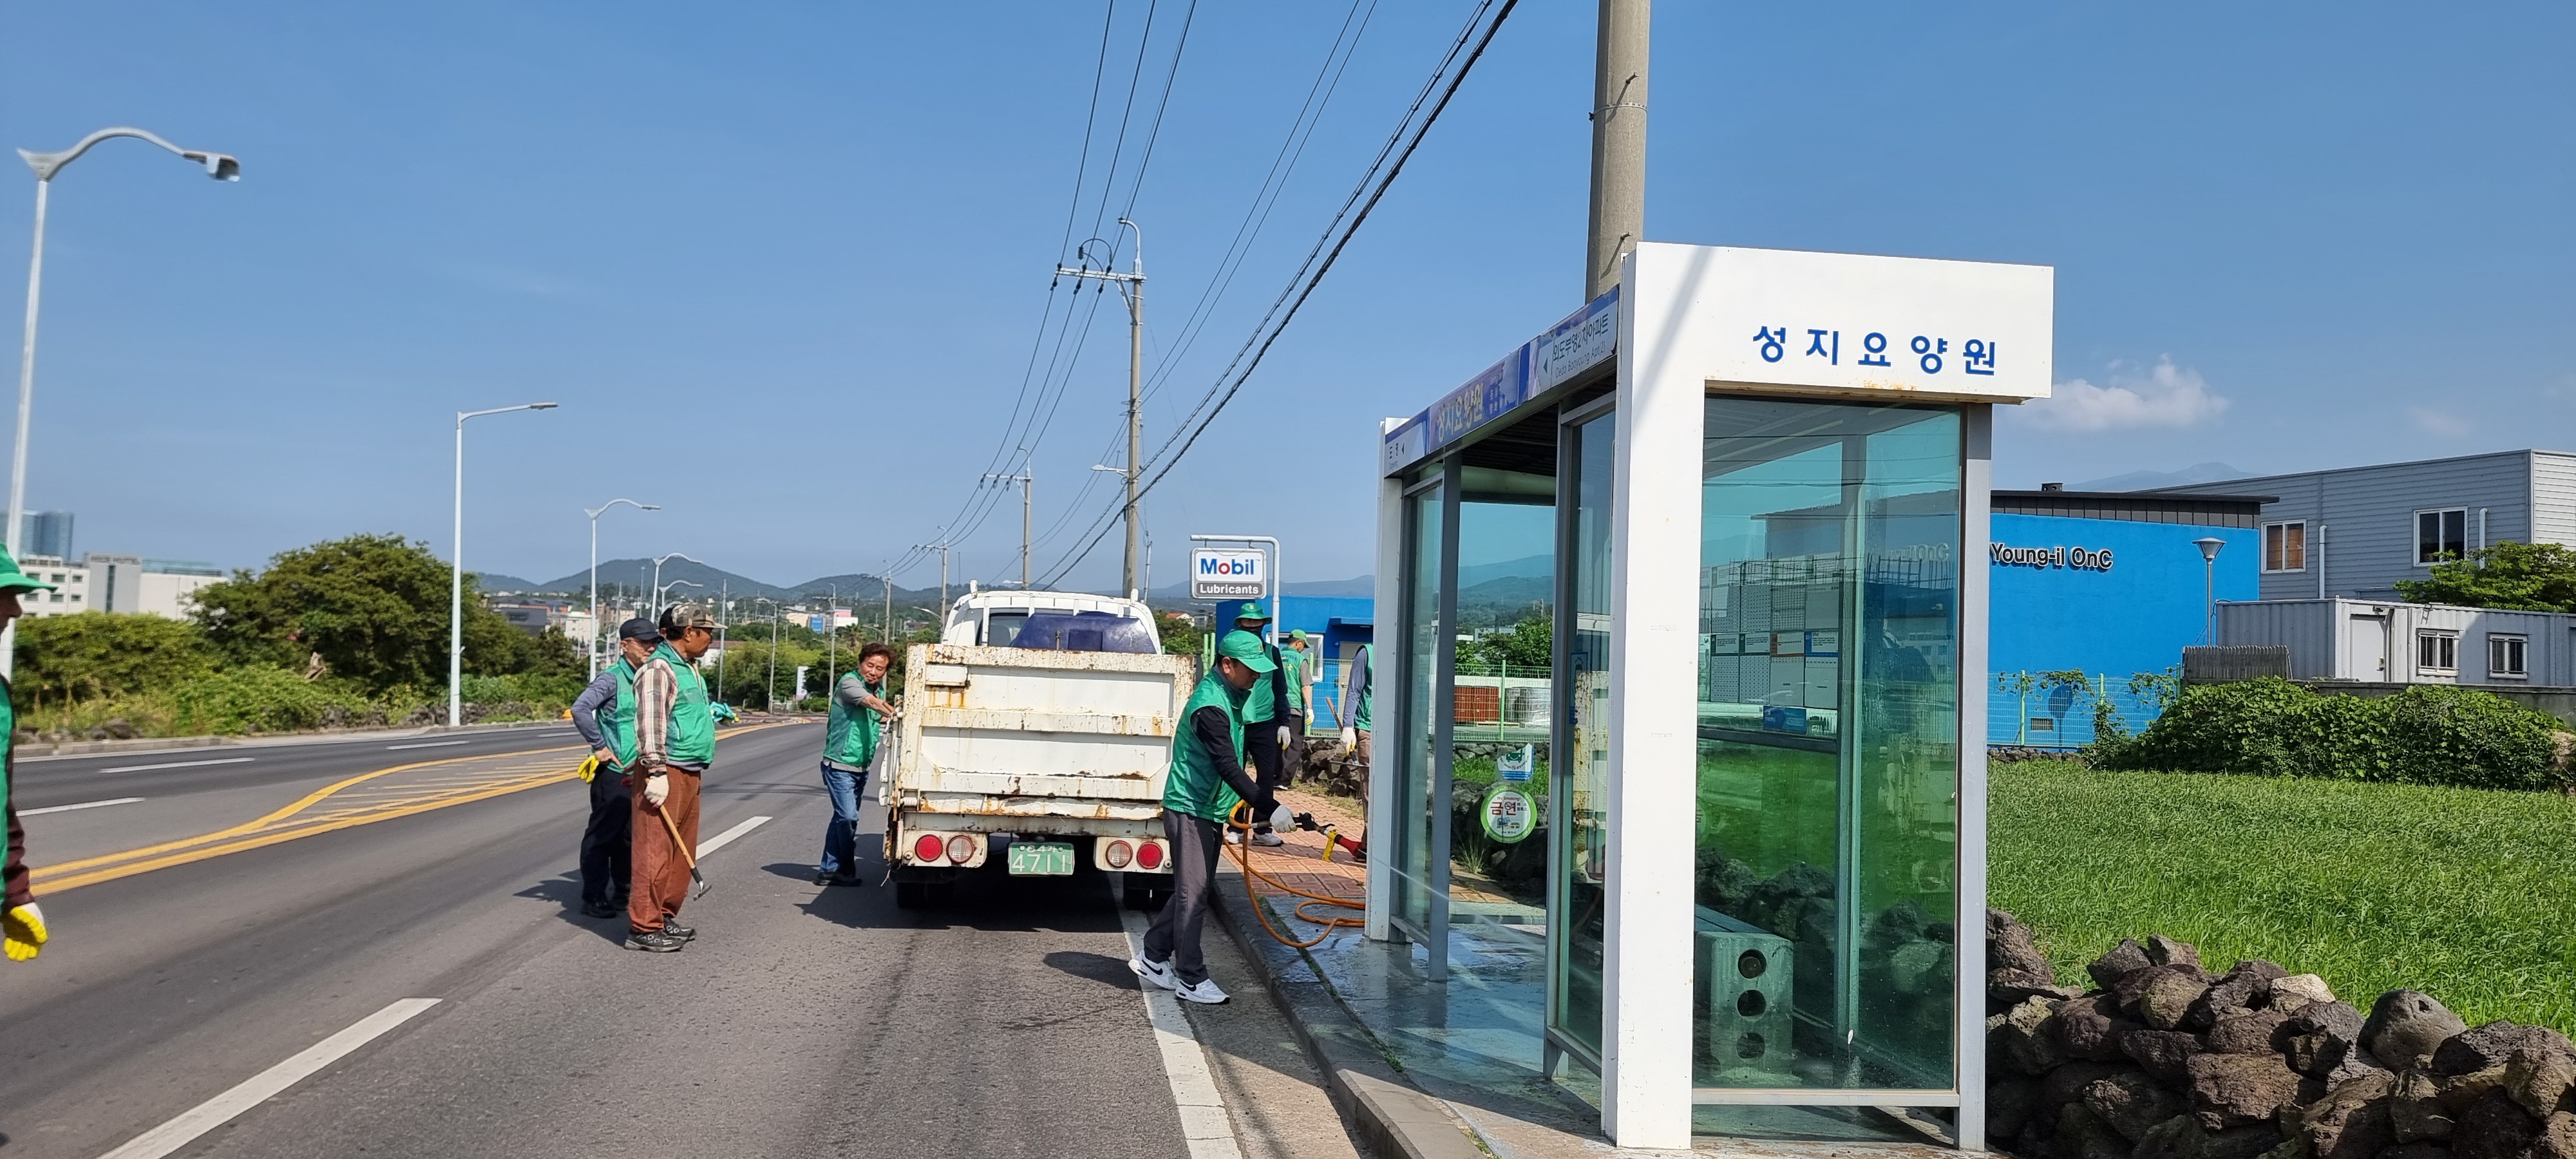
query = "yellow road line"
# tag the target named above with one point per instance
(109, 867)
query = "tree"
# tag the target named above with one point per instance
(374, 607)
(1531, 643)
(101, 654)
(1180, 633)
(2523, 577)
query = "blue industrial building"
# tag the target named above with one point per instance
(2107, 584)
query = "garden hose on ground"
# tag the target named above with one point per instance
(1241, 821)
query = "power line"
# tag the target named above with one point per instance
(1396, 170)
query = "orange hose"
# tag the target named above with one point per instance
(1243, 858)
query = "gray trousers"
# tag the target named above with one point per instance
(1174, 936)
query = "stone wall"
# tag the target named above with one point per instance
(2165, 1059)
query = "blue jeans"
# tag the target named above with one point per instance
(841, 839)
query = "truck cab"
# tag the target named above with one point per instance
(993, 619)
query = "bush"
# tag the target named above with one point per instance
(102, 654)
(263, 698)
(2426, 735)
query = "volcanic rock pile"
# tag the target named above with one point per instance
(2167, 1060)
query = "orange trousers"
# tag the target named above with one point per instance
(661, 876)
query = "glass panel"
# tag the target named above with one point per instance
(1828, 726)
(1413, 759)
(1581, 799)
(1500, 694)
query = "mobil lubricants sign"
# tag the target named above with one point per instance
(1226, 574)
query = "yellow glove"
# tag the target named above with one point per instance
(22, 932)
(589, 767)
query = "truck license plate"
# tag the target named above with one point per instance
(1042, 858)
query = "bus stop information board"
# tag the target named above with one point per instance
(1223, 574)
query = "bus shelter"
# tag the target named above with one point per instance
(1681, 664)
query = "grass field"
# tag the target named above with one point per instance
(2466, 894)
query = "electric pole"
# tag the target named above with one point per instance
(1618, 142)
(1026, 483)
(942, 549)
(1131, 286)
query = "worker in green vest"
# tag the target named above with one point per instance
(604, 715)
(22, 923)
(1266, 709)
(1206, 781)
(675, 745)
(859, 710)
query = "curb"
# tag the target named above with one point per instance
(1396, 1119)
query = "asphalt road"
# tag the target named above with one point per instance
(805, 1021)
(47, 782)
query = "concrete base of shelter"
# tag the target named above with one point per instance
(1453, 1070)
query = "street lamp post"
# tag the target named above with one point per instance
(831, 634)
(657, 577)
(218, 166)
(661, 595)
(456, 569)
(2209, 547)
(594, 512)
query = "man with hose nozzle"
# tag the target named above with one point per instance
(1207, 780)
(1267, 733)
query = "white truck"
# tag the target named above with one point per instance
(1049, 748)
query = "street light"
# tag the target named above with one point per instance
(218, 166)
(657, 576)
(594, 513)
(2209, 546)
(456, 569)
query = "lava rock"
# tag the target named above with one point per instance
(2169, 995)
(2247, 986)
(2298, 991)
(2539, 1078)
(2493, 1128)
(2164, 951)
(2081, 1134)
(2010, 946)
(2010, 1100)
(2131, 1103)
(2406, 1026)
(2351, 1122)
(2320, 1038)
(2489, 1045)
(2234, 1090)
(2006, 989)
(2557, 1138)
(2132, 987)
(2091, 1027)
(2242, 1031)
(2025, 1037)
(2415, 1110)
(2166, 1054)
(2066, 1084)
(2124, 959)
(2416, 1151)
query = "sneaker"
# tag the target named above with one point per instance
(1158, 973)
(654, 942)
(822, 878)
(1271, 839)
(1205, 992)
(675, 929)
(599, 909)
(1233, 836)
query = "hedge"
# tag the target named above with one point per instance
(2430, 734)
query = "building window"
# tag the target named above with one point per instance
(2285, 546)
(2441, 535)
(2509, 656)
(2437, 652)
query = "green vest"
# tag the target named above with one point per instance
(8, 744)
(692, 738)
(617, 720)
(1261, 704)
(1194, 786)
(1292, 669)
(851, 738)
(1359, 717)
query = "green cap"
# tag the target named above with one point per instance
(1246, 648)
(1248, 610)
(1298, 635)
(13, 580)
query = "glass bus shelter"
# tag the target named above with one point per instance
(1681, 678)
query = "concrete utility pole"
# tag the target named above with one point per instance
(1027, 484)
(1618, 142)
(942, 549)
(1131, 286)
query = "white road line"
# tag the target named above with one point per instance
(544, 735)
(1203, 1119)
(215, 1112)
(82, 805)
(433, 744)
(178, 765)
(725, 838)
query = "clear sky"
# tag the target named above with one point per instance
(784, 265)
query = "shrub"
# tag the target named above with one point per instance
(101, 654)
(262, 698)
(2428, 735)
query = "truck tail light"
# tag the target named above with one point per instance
(927, 849)
(1149, 855)
(961, 849)
(1118, 855)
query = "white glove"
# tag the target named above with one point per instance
(1283, 736)
(657, 789)
(1283, 821)
(1350, 739)
(23, 931)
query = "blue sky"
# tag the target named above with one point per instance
(784, 265)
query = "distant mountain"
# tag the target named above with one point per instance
(493, 581)
(860, 590)
(2148, 480)
(1540, 567)
(632, 576)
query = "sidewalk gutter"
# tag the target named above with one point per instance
(1395, 1118)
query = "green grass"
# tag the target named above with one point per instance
(2466, 894)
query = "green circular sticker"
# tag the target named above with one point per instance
(1508, 814)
